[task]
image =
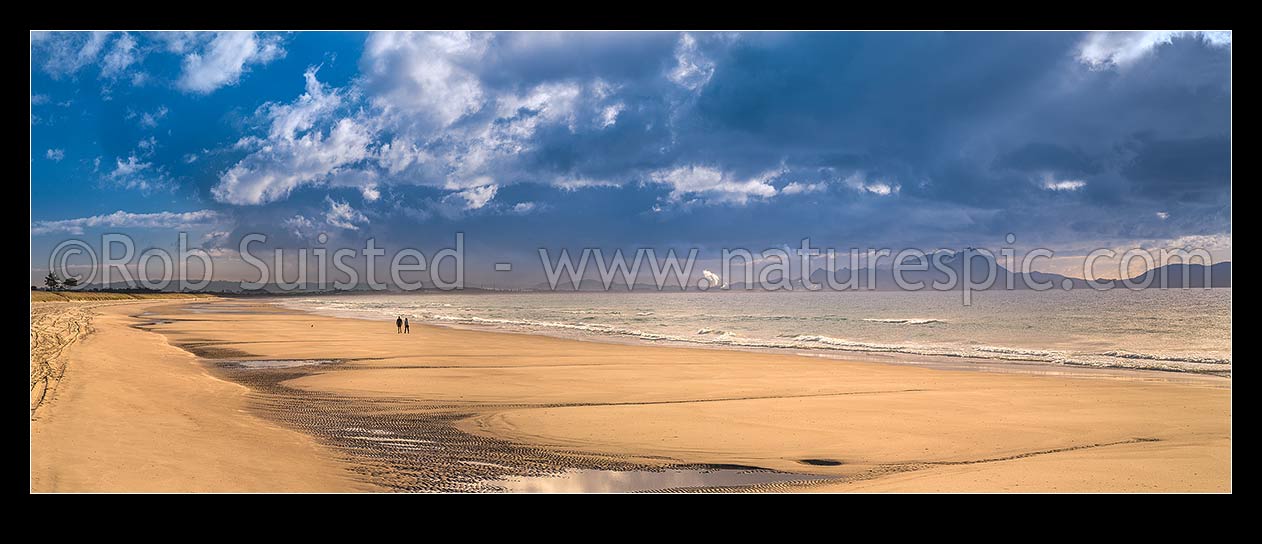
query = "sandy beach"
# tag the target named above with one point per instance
(132, 413)
(238, 395)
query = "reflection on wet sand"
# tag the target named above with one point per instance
(283, 363)
(623, 481)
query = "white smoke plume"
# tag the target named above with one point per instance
(714, 279)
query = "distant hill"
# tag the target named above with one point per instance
(234, 288)
(231, 287)
(1181, 276)
(882, 277)
(595, 285)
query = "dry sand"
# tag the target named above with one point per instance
(512, 404)
(133, 413)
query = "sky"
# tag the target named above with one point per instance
(622, 140)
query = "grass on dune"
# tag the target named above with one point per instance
(64, 296)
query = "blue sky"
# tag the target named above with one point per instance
(1071, 141)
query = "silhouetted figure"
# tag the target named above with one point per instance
(398, 323)
(407, 328)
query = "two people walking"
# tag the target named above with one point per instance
(402, 324)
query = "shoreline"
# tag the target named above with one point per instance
(447, 409)
(943, 361)
(946, 362)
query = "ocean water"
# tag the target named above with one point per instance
(1174, 330)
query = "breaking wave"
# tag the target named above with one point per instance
(717, 337)
(792, 332)
(905, 321)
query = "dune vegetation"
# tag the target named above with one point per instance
(64, 296)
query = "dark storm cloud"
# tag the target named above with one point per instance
(1181, 170)
(525, 59)
(904, 139)
(972, 128)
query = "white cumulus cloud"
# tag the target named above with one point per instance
(296, 152)
(222, 61)
(424, 75)
(692, 68)
(859, 182)
(122, 55)
(151, 119)
(67, 52)
(299, 225)
(341, 215)
(1063, 184)
(135, 173)
(713, 184)
(574, 183)
(122, 219)
(796, 188)
(1101, 50)
(478, 197)
(609, 115)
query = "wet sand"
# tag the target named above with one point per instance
(132, 413)
(458, 410)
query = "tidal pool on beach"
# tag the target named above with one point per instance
(283, 363)
(623, 481)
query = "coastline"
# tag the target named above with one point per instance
(512, 405)
(134, 414)
(936, 344)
